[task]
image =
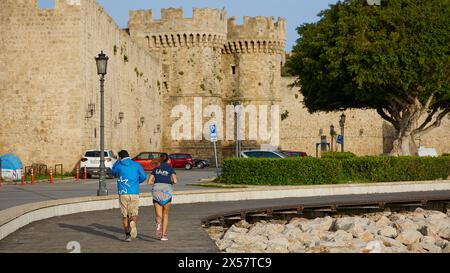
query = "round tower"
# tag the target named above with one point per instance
(191, 53)
(252, 61)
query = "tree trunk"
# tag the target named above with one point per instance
(404, 146)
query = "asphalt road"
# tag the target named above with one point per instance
(14, 195)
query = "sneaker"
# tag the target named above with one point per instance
(158, 230)
(128, 238)
(133, 231)
(164, 238)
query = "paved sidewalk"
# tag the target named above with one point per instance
(14, 195)
(101, 231)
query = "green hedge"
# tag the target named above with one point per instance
(313, 171)
(337, 155)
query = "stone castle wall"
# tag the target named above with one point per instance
(50, 78)
(40, 88)
(131, 86)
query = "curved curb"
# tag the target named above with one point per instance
(14, 218)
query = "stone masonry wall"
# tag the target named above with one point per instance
(50, 78)
(40, 84)
(131, 86)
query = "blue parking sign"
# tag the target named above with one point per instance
(340, 139)
(213, 132)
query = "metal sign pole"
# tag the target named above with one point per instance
(217, 161)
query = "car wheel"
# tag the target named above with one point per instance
(188, 166)
(201, 165)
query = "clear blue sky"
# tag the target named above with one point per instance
(296, 12)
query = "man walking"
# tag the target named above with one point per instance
(130, 174)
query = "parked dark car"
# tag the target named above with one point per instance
(201, 163)
(294, 154)
(180, 160)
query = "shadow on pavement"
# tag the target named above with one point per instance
(94, 230)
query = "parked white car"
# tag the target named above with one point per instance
(91, 160)
(263, 154)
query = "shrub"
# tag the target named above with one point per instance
(313, 171)
(338, 155)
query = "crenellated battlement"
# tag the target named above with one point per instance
(260, 27)
(207, 27)
(256, 34)
(172, 20)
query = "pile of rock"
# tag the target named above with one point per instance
(421, 231)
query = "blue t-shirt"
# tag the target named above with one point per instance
(163, 173)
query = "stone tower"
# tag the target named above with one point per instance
(252, 61)
(191, 53)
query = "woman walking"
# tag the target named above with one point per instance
(162, 178)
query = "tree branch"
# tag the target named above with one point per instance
(435, 124)
(386, 117)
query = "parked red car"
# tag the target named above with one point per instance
(182, 161)
(146, 159)
(294, 153)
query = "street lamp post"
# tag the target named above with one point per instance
(332, 134)
(102, 63)
(237, 109)
(342, 124)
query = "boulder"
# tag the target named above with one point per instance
(307, 238)
(322, 224)
(446, 249)
(374, 247)
(383, 222)
(430, 248)
(243, 224)
(389, 242)
(445, 233)
(296, 247)
(428, 240)
(405, 225)
(366, 236)
(409, 237)
(278, 246)
(224, 244)
(341, 235)
(237, 229)
(257, 229)
(436, 215)
(388, 231)
(297, 221)
(245, 239)
(344, 223)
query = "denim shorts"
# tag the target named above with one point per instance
(162, 193)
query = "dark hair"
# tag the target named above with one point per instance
(124, 154)
(164, 158)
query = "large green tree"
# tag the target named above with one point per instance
(394, 58)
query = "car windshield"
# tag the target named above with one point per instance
(95, 154)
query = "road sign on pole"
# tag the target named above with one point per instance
(214, 138)
(213, 132)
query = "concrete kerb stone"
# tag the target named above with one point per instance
(14, 218)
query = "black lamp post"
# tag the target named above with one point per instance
(342, 124)
(332, 134)
(238, 110)
(102, 63)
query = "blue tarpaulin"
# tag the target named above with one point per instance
(11, 166)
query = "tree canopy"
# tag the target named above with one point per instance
(394, 58)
